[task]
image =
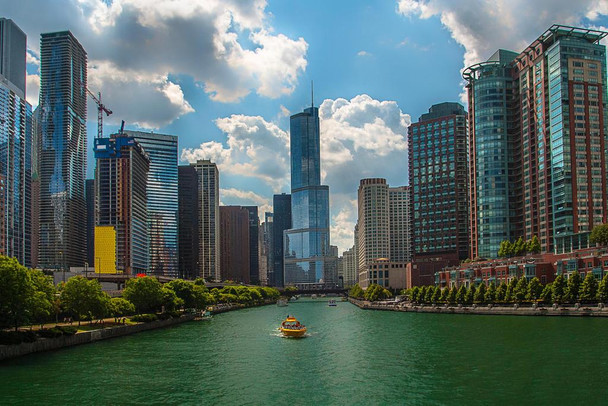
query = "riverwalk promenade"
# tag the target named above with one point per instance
(488, 309)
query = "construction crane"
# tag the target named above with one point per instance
(101, 108)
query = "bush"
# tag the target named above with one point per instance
(50, 333)
(68, 330)
(17, 337)
(144, 318)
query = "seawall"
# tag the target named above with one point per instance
(513, 310)
(49, 344)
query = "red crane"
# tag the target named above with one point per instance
(101, 108)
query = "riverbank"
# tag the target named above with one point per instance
(227, 307)
(513, 310)
(50, 344)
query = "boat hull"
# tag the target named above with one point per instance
(293, 333)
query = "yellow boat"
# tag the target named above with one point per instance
(291, 327)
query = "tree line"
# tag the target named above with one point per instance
(27, 296)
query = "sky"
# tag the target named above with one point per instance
(225, 75)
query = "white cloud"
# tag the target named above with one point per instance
(254, 148)
(363, 53)
(238, 197)
(32, 89)
(228, 47)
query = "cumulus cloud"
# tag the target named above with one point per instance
(32, 89)
(363, 53)
(228, 47)
(236, 197)
(483, 26)
(254, 147)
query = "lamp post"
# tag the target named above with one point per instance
(86, 270)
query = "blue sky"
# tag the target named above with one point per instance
(224, 75)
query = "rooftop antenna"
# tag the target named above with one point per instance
(312, 94)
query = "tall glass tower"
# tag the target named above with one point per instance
(62, 151)
(307, 242)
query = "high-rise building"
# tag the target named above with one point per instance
(121, 223)
(438, 173)
(208, 219)
(15, 146)
(280, 223)
(63, 151)
(90, 196)
(378, 238)
(265, 242)
(35, 217)
(234, 243)
(349, 267)
(162, 200)
(254, 246)
(189, 222)
(537, 132)
(307, 242)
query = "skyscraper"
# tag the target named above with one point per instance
(307, 242)
(208, 219)
(234, 243)
(280, 223)
(399, 219)
(438, 172)
(541, 113)
(15, 146)
(90, 196)
(121, 226)
(189, 222)
(162, 202)
(254, 246)
(265, 248)
(63, 151)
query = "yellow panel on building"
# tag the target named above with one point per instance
(105, 249)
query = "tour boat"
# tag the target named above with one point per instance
(332, 302)
(281, 302)
(290, 327)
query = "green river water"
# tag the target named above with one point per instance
(350, 357)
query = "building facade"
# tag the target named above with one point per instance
(307, 242)
(265, 242)
(162, 203)
(62, 151)
(90, 196)
(538, 160)
(399, 218)
(189, 222)
(254, 245)
(234, 244)
(349, 267)
(281, 222)
(209, 219)
(121, 219)
(15, 146)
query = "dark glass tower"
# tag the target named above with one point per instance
(281, 222)
(189, 222)
(90, 195)
(63, 151)
(307, 242)
(254, 254)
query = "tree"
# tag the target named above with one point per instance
(534, 245)
(289, 291)
(574, 285)
(16, 293)
(356, 291)
(506, 249)
(421, 294)
(602, 290)
(414, 294)
(501, 292)
(185, 291)
(588, 290)
(520, 247)
(171, 302)
(521, 289)
(83, 298)
(470, 295)
(534, 289)
(480, 295)
(599, 235)
(490, 295)
(430, 291)
(546, 295)
(42, 306)
(558, 289)
(121, 307)
(145, 293)
(461, 294)
(375, 292)
(452, 295)
(444, 295)
(510, 293)
(436, 295)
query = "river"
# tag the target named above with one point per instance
(350, 357)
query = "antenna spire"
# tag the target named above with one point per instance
(312, 94)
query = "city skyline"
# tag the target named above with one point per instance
(243, 126)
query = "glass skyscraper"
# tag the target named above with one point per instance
(307, 242)
(15, 146)
(281, 218)
(162, 200)
(62, 151)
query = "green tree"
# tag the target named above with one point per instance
(414, 294)
(521, 289)
(573, 286)
(84, 298)
(506, 249)
(599, 235)
(145, 293)
(470, 295)
(519, 247)
(185, 291)
(490, 295)
(461, 294)
(534, 245)
(120, 307)
(356, 291)
(602, 290)
(171, 302)
(534, 289)
(546, 296)
(422, 294)
(436, 295)
(430, 291)
(42, 305)
(558, 289)
(480, 295)
(289, 291)
(501, 292)
(510, 293)
(452, 295)
(444, 295)
(16, 293)
(588, 290)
